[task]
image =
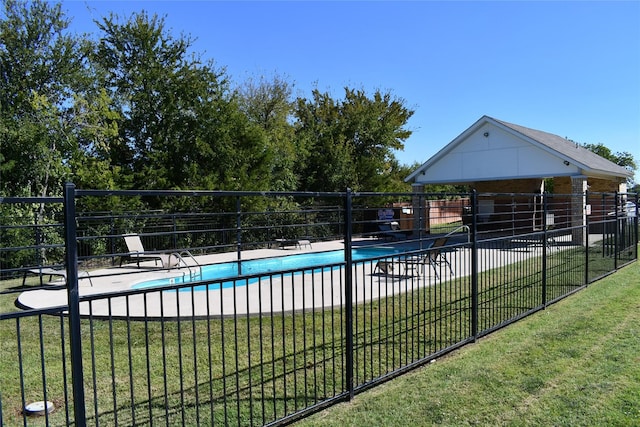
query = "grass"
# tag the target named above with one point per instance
(229, 370)
(575, 363)
(443, 228)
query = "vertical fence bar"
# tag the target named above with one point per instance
(174, 236)
(348, 291)
(39, 255)
(635, 227)
(616, 232)
(239, 233)
(545, 240)
(112, 240)
(474, 265)
(604, 223)
(74, 303)
(418, 208)
(586, 249)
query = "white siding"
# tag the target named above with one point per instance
(499, 155)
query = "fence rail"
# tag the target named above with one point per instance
(384, 284)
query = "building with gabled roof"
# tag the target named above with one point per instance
(493, 150)
(494, 156)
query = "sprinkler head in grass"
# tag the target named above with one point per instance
(39, 408)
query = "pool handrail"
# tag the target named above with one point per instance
(461, 227)
(180, 256)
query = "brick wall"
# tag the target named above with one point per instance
(509, 186)
(562, 185)
(446, 211)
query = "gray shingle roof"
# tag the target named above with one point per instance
(570, 150)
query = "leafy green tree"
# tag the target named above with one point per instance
(324, 153)
(350, 143)
(376, 127)
(96, 130)
(624, 159)
(40, 66)
(181, 126)
(267, 103)
(140, 66)
(394, 178)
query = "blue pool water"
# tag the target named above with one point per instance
(229, 270)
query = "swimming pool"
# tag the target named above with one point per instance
(267, 266)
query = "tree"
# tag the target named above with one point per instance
(181, 126)
(323, 152)
(624, 159)
(139, 65)
(349, 143)
(376, 128)
(267, 103)
(40, 67)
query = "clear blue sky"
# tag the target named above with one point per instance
(570, 68)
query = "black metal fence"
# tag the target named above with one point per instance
(380, 284)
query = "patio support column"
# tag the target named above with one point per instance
(578, 210)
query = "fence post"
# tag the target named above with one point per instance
(616, 233)
(586, 249)
(604, 222)
(545, 240)
(635, 227)
(348, 291)
(474, 264)
(71, 246)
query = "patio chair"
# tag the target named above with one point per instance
(59, 272)
(292, 243)
(384, 267)
(137, 253)
(435, 257)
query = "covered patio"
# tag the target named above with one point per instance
(500, 159)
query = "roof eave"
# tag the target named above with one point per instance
(585, 169)
(599, 173)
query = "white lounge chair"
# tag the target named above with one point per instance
(137, 253)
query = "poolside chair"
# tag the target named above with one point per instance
(435, 257)
(293, 243)
(137, 253)
(59, 272)
(384, 267)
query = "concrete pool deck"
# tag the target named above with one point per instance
(110, 288)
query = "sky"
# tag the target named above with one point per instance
(569, 68)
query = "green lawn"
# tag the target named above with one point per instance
(577, 363)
